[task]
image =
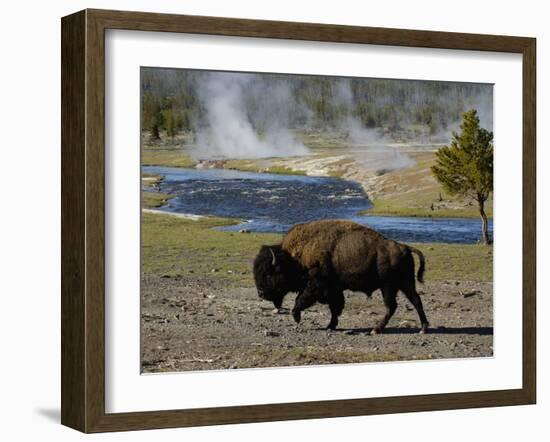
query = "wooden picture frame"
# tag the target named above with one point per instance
(83, 220)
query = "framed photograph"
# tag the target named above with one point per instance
(266, 221)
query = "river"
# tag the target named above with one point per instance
(274, 203)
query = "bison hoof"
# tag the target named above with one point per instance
(423, 331)
(297, 316)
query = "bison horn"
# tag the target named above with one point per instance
(274, 260)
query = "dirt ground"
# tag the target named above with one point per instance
(201, 323)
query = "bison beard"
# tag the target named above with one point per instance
(321, 259)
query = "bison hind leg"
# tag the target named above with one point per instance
(389, 293)
(336, 305)
(414, 298)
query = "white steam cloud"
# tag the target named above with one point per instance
(246, 116)
(367, 145)
(229, 131)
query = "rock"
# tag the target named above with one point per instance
(215, 270)
(244, 231)
(469, 294)
(271, 334)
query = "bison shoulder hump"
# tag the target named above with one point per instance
(310, 243)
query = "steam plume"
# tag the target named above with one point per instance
(367, 145)
(229, 131)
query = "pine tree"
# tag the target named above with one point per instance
(156, 123)
(465, 167)
(170, 123)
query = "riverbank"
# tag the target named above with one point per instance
(200, 309)
(410, 191)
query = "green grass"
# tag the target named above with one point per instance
(243, 165)
(398, 207)
(260, 166)
(412, 191)
(284, 170)
(461, 262)
(150, 180)
(151, 200)
(174, 246)
(174, 157)
(165, 156)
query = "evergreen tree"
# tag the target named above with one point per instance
(170, 123)
(156, 123)
(465, 167)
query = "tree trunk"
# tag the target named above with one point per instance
(484, 223)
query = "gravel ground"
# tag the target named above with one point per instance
(201, 324)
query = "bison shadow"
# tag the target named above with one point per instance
(481, 331)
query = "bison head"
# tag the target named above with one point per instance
(276, 273)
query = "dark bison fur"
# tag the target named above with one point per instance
(276, 274)
(321, 259)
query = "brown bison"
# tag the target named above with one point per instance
(321, 259)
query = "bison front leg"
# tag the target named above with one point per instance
(312, 293)
(303, 301)
(389, 293)
(336, 304)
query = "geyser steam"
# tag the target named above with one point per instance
(229, 130)
(367, 145)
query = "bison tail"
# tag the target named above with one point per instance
(420, 274)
